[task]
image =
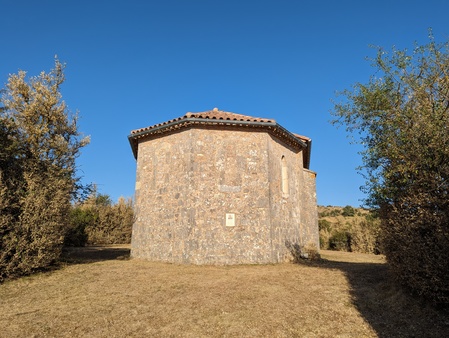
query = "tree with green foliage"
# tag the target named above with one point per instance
(402, 119)
(39, 144)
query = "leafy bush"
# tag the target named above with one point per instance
(324, 225)
(98, 221)
(350, 233)
(348, 211)
(79, 220)
(340, 240)
(365, 237)
(39, 145)
(417, 248)
(335, 212)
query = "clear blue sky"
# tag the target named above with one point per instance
(132, 64)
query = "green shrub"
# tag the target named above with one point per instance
(334, 213)
(357, 234)
(348, 211)
(365, 237)
(80, 219)
(417, 249)
(324, 225)
(340, 240)
(98, 221)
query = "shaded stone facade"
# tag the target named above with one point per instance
(222, 188)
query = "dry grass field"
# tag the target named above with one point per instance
(98, 292)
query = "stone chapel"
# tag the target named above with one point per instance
(216, 187)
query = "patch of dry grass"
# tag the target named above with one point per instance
(98, 295)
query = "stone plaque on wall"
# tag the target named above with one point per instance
(230, 220)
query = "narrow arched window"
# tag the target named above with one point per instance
(284, 176)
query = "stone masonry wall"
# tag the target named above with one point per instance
(162, 182)
(187, 185)
(310, 234)
(206, 196)
(285, 205)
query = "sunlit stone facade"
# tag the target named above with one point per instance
(222, 188)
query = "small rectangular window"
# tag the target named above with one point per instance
(284, 177)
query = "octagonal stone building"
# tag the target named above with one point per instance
(221, 188)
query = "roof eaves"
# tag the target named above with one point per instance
(185, 121)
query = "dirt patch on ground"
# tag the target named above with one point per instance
(102, 293)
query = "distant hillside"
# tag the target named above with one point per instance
(348, 229)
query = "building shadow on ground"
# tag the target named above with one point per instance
(91, 254)
(386, 307)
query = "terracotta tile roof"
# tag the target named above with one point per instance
(303, 138)
(213, 114)
(308, 151)
(220, 119)
(224, 115)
